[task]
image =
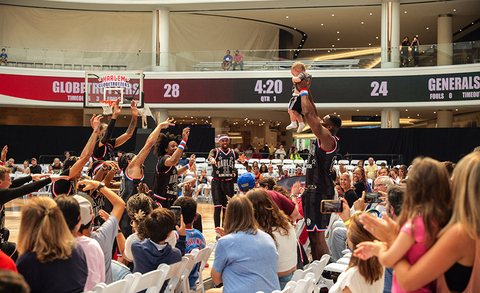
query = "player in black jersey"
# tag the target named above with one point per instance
(223, 163)
(319, 185)
(72, 167)
(133, 172)
(104, 146)
(169, 149)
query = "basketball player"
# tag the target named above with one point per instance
(319, 185)
(72, 167)
(104, 146)
(133, 172)
(223, 163)
(169, 149)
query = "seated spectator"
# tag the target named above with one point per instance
(275, 223)
(35, 168)
(26, 169)
(403, 173)
(361, 276)
(394, 174)
(343, 170)
(257, 173)
(57, 166)
(246, 268)
(360, 183)
(153, 251)
(50, 170)
(237, 60)
(298, 171)
(3, 57)
(360, 163)
(10, 190)
(12, 282)
(263, 168)
(271, 173)
(347, 187)
(93, 252)
(284, 203)
(183, 160)
(50, 259)
(383, 172)
(203, 183)
(194, 238)
(11, 165)
(285, 174)
(191, 175)
(227, 61)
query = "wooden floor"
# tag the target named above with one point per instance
(14, 207)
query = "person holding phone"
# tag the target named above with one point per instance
(415, 50)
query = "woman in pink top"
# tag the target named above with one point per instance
(426, 209)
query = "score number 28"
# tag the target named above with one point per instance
(379, 88)
(171, 90)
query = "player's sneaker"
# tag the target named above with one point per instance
(301, 126)
(292, 125)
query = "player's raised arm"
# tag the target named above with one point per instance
(138, 159)
(131, 127)
(173, 160)
(88, 149)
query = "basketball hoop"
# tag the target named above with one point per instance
(107, 107)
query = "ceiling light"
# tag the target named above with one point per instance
(333, 14)
(321, 24)
(405, 11)
(406, 110)
(369, 44)
(338, 32)
(191, 117)
(335, 113)
(244, 124)
(460, 29)
(362, 22)
(286, 16)
(427, 28)
(338, 39)
(418, 114)
(333, 45)
(456, 109)
(208, 116)
(434, 112)
(376, 38)
(371, 13)
(408, 117)
(358, 110)
(454, 9)
(328, 51)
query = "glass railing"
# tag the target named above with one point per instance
(320, 59)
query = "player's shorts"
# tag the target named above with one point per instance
(295, 104)
(220, 190)
(314, 219)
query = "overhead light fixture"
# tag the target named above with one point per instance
(338, 32)
(418, 115)
(369, 44)
(454, 9)
(321, 24)
(286, 16)
(405, 11)
(362, 22)
(456, 109)
(376, 38)
(427, 28)
(406, 110)
(371, 13)
(333, 14)
(434, 112)
(338, 39)
(358, 110)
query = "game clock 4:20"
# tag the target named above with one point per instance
(268, 89)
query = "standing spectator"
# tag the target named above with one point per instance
(416, 50)
(249, 151)
(35, 168)
(237, 60)
(280, 152)
(371, 169)
(404, 52)
(227, 61)
(3, 57)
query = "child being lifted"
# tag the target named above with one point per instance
(295, 104)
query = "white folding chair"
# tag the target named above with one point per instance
(354, 162)
(305, 285)
(276, 162)
(251, 161)
(289, 288)
(121, 286)
(201, 258)
(174, 274)
(299, 162)
(345, 162)
(379, 162)
(151, 281)
(199, 160)
(287, 162)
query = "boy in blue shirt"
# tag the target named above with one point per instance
(3, 57)
(194, 238)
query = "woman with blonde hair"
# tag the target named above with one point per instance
(246, 258)
(276, 224)
(50, 260)
(361, 276)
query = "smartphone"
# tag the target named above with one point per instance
(177, 211)
(372, 197)
(331, 206)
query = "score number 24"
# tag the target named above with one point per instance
(379, 88)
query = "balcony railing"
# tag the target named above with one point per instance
(315, 59)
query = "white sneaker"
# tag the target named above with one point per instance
(301, 126)
(292, 125)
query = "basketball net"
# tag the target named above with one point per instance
(107, 107)
(144, 112)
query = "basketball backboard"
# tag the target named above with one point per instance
(109, 85)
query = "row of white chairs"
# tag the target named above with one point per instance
(200, 160)
(355, 162)
(176, 275)
(308, 280)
